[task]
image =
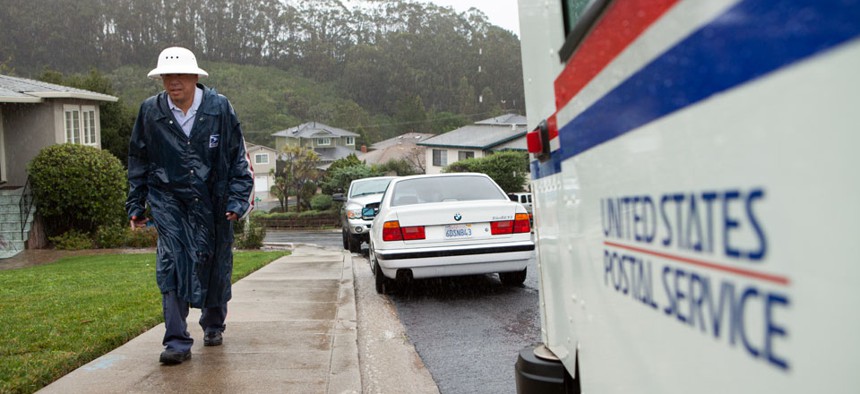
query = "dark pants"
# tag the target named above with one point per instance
(176, 336)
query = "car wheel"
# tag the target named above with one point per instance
(345, 234)
(379, 279)
(383, 284)
(354, 244)
(513, 278)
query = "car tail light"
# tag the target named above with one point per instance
(391, 231)
(412, 233)
(520, 224)
(502, 227)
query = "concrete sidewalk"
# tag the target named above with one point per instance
(291, 328)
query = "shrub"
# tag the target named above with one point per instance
(146, 237)
(316, 214)
(72, 240)
(508, 169)
(109, 237)
(250, 237)
(78, 187)
(338, 180)
(321, 202)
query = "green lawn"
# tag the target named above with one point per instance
(57, 317)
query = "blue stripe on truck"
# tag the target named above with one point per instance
(750, 40)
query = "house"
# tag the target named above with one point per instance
(330, 143)
(263, 159)
(34, 115)
(402, 147)
(506, 132)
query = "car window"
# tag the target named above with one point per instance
(448, 188)
(374, 186)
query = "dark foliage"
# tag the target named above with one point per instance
(393, 67)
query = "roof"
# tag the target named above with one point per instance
(249, 146)
(487, 134)
(333, 153)
(519, 143)
(22, 90)
(505, 119)
(391, 152)
(408, 138)
(314, 130)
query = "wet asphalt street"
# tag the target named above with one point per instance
(467, 330)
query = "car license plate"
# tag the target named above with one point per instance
(457, 231)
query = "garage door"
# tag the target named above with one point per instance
(261, 183)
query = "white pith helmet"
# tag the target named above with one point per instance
(176, 60)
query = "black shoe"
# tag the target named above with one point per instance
(172, 357)
(213, 339)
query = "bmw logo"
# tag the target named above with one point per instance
(457, 217)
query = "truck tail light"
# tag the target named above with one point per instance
(391, 231)
(538, 139)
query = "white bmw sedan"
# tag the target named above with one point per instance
(448, 225)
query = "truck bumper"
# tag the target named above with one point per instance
(539, 375)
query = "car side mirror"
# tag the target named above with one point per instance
(370, 211)
(338, 197)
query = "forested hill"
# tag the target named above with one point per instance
(400, 63)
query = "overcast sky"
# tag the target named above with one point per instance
(500, 12)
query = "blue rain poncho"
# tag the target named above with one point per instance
(190, 183)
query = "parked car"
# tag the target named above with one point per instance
(448, 225)
(355, 227)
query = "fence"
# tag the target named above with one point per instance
(297, 223)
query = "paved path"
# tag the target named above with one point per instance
(291, 328)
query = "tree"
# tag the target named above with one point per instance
(280, 188)
(329, 186)
(412, 114)
(357, 65)
(417, 158)
(400, 167)
(299, 169)
(466, 101)
(340, 178)
(509, 169)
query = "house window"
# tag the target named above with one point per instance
(89, 117)
(261, 158)
(350, 140)
(73, 126)
(80, 124)
(465, 154)
(440, 158)
(323, 141)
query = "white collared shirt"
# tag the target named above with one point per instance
(186, 121)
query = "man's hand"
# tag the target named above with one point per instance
(232, 216)
(138, 223)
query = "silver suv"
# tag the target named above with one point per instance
(354, 226)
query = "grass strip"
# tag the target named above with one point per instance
(57, 317)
